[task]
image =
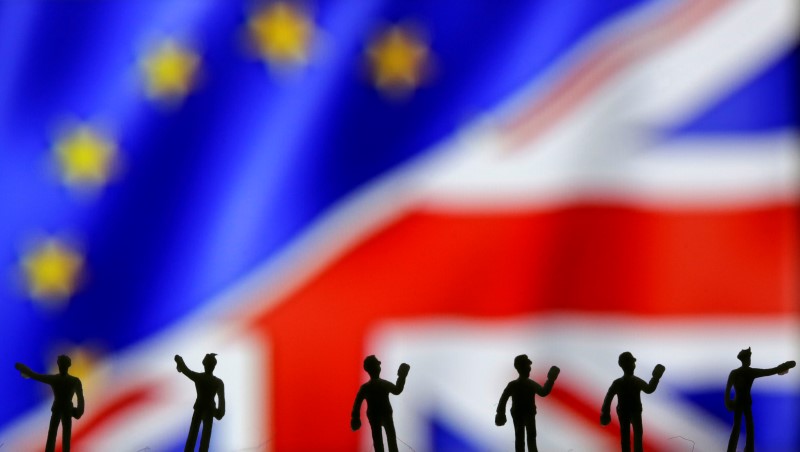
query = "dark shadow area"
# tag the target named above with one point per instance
(523, 406)
(741, 380)
(205, 409)
(379, 410)
(628, 390)
(65, 387)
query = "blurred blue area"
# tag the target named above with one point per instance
(767, 92)
(445, 439)
(769, 410)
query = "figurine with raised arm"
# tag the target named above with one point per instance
(523, 407)
(65, 387)
(205, 409)
(741, 380)
(628, 389)
(379, 411)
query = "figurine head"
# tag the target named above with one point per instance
(63, 363)
(523, 365)
(627, 362)
(372, 366)
(744, 356)
(210, 362)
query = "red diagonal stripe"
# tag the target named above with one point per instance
(590, 414)
(610, 59)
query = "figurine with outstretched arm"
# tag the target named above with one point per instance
(65, 387)
(208, 386)
(741, 380)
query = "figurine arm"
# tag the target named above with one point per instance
(653, 384)
(78, 412)
(402, 373)
(221, 398)
(27, 372)
(729, 404)
(542, 391)
(355, 416)
(500, 418)
(605, 411)
(501, 405)
(782, 369)
(182, 368)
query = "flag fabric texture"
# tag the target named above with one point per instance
(297, 185)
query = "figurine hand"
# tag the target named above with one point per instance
(76, 413)
(605, 418)
(659, 371)
(500, 419)
(729, 404)
(403, 370)
(785, 367)
(355, 423)
(552, 374)
(23, 370)
(219, 413)
(178, 362)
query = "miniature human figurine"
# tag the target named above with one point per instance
(628, 389)
(65, 386)
(741, 380)
(205, 409)
(523, 407)
(379, 411)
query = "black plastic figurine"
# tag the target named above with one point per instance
(379, 411)
(205, 410)
(65, 387)
(628, 389)
(523, 407)
(741, 380)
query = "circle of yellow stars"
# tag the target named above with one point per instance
(283, 34)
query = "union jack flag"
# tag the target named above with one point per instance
(297, 185)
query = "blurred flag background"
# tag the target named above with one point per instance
(296, 185)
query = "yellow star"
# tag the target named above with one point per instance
(169, 71)
(85, 158)
(397, 59)
(52, 271)
(282, 34)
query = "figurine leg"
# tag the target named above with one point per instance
(519, 433)
(66, 432)
(737, 425)
(750, 440)
(391, 435)
(624, 433)
(52, 431)
(377, 434)
(205, 439)
(530, 431)
(636, 423)
(194, 427)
